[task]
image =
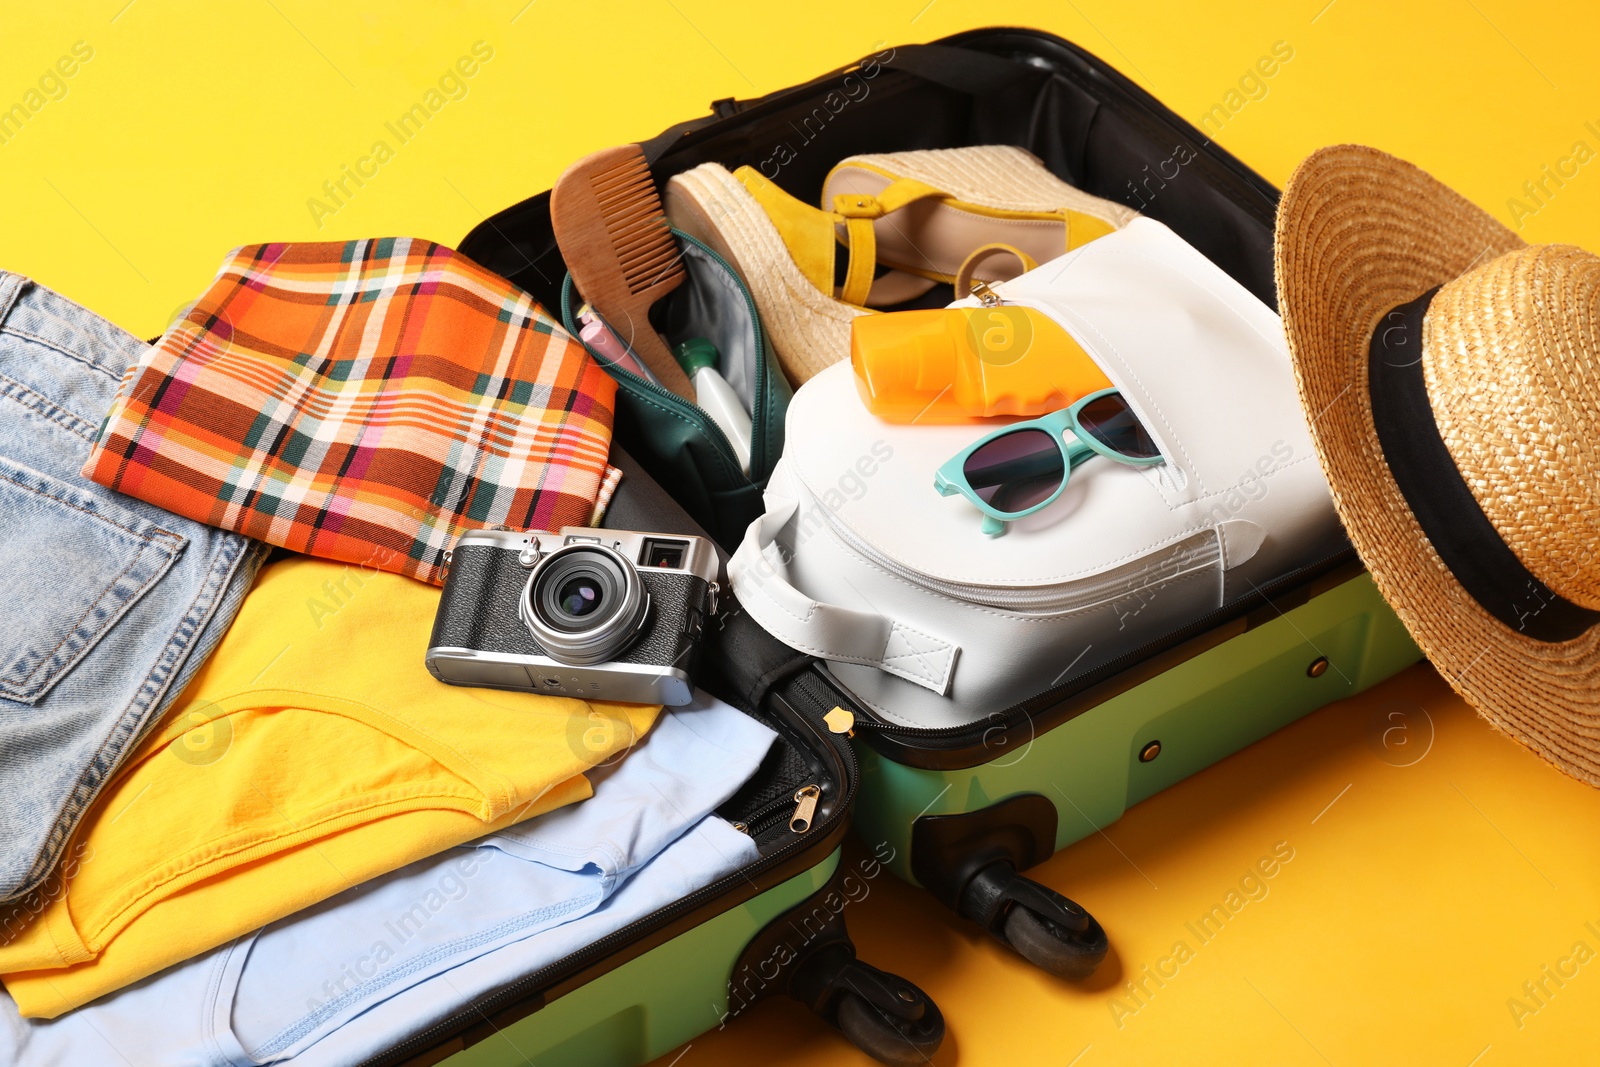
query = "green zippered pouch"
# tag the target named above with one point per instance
(677, 442)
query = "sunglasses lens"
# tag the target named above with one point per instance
(1110, 421)
(1015, 471)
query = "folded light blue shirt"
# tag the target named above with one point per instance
(354, 975)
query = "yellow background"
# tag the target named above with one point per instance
(1415, 906)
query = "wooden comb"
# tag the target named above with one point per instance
(613, 234)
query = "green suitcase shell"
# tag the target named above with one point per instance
(965, 810)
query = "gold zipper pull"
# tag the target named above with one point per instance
(742, 828)
(805, 799)
(840, 721)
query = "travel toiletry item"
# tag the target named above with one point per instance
(604, 344)
(600, 614)
(1015, 471)
(716, 397)
(364, 401)
(1453, 372)
(957, 364)
(677, 441)
(112, 604)
(310, 753)
(613, 235)
(858, 562)
(920, 213)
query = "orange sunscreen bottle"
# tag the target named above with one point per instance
(957, 364)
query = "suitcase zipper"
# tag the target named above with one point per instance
(1047, 599)
(799, 809)
(805, 807)
(949, 737)
(602, 947)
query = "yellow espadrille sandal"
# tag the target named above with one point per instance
(929, 216)
(985, 194)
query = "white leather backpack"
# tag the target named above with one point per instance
(858, 559)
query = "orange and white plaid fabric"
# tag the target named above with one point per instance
(365, 401)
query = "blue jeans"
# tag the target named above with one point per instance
(109, 604)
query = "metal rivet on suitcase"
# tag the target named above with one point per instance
(1318, 668)
(1150, 752)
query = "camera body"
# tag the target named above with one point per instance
(582, 612)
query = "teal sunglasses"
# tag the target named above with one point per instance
(1015, 471)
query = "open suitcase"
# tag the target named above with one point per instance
(963, 809)
(774, 928)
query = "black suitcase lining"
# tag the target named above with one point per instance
(1089, 125)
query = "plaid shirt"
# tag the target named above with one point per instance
(364, 401)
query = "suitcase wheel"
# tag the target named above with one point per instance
(807, 953)
(1045, 928)
(882, 1014)
(887, 1036)
(1055, 948)
(970, 860)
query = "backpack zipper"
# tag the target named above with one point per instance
(1043, 600)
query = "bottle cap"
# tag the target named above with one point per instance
(695, 354)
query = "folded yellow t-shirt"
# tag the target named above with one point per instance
(312, 751)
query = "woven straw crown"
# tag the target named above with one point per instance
(1511, 356)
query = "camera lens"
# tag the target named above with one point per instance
(580, 596)
(579, 588)
(584, 603)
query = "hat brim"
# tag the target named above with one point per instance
(1360, 232)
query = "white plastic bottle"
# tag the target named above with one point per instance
(698, 358)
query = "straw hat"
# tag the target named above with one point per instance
(1451, 375)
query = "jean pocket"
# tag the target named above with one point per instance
(75, 564)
